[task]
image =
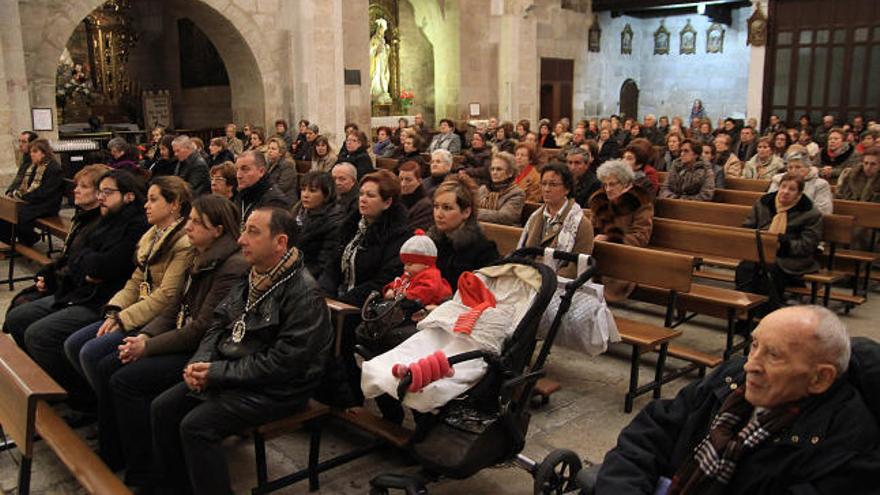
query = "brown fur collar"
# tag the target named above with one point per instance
(604, 211)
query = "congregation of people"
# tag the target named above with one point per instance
(187, 304)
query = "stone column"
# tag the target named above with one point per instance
(518, 65)
(316, 68)
(14, 101)
(356, 56)
(757, 55)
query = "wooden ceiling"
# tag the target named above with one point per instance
(717, 10)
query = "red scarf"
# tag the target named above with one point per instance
(525, 172)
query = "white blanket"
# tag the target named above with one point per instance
(514, 291)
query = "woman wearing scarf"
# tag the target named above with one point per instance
(789, 214)
(765, 164)
(560, 223)
(40, 189)
(152, 360)
(837, 156)
(162, 257)
(501, 201)
(527, 178)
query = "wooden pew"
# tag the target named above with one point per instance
(735, 197)
(670, 271)
(757, 185)
(387, 164)
(24, 413)
(9, 213)
(715, 245)
(528, 209)
(53, 227)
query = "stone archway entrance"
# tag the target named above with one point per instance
(629, 99)
(255, 94)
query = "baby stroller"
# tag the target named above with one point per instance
(487, 425)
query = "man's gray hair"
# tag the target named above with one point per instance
(183, 141)
(348, 168)
(444, 155)
(617, 168)
(258, 157)
(832, 338)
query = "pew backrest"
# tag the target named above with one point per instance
(754, 185)
(700, 238)
(670, 271)
(506, 237)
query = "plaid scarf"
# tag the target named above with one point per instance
(259, 283)
(734, 433)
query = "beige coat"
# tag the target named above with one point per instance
(507, 209)
(171, 256)
(583, 243)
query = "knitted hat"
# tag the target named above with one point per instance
(419, 249)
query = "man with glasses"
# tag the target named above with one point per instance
(585, 180)
(689, 177)
(96, 269)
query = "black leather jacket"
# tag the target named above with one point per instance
(283, 353)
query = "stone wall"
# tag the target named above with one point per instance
(416, 62)
(562, 33)
(669, 84)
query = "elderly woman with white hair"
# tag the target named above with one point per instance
(622, 213)
(797, 163)
(441, 165)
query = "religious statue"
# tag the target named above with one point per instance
(380, 74)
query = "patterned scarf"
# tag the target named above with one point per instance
(349, 273)
(32, 180)
(259, 283)
(733, 434)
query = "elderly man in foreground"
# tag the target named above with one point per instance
(783, 422)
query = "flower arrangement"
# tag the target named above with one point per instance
(406, 99)
(72, 81)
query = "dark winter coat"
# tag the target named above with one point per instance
(463, 250)
(45, 200)
(377, 261)
(854, 185)
(106, 256)
(282, 173)
(695, 183)
(585, 186)
(318, 236)
(194, 170)
(223, 156)
(476, 164)
(285, 349)
(798, 245)
(361, 161)
(262, 193)
(84, 222)
(847, 158)
(825, 450)
(608, 151)
(415, 156)
(207, 282)
(419, 208)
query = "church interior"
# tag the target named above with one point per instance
(711, 165)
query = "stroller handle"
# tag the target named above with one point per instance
(532, 252)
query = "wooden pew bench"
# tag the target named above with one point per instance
(24, 414)
(53, 227)
(837, 231)
(9, 213)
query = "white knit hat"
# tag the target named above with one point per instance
(419, 249)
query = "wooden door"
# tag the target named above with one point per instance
(629, 99)
(557, 88)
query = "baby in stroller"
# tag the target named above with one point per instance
(421, 284)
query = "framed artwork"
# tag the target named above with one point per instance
(41, 119)
(626, 40)
(594, 35)
(474, 109)
(687, 40)
(715, 39)
(757, 35)
(661, 40)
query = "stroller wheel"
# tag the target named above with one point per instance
(556, 473)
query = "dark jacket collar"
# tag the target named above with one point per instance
(256, 191)
(220, 251)
(410, 199)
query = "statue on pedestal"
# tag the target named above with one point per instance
(380, 74)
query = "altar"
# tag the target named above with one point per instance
(390, 121)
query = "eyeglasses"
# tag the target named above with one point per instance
(107, 191)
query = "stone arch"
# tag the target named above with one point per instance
(240, 39)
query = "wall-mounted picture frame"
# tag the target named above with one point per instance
(41, 118)
(626, 40)
(757, 35)
(474, 109)
(594, 36)
(715, 39)
(661, 40)
(687, 40)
